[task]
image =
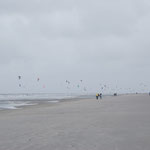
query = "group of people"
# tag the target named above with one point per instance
(115, 94)
(99, 95)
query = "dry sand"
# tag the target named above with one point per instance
(113, 123)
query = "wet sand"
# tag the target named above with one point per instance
(113, 123)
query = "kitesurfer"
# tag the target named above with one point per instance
(97, 95)
(100, 95)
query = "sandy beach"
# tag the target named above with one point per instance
(113, 123)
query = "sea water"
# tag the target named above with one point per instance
(12, 104)
(13, 101)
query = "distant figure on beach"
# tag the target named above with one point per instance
(100, 95)
(115, 94)
(97, 95)
(149, 93)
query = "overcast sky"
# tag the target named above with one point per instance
(98, 41)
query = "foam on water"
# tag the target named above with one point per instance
(12, 104)
(53, 101)
(12, 101)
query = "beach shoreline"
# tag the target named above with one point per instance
(120, 122)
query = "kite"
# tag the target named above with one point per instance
(19, 77)
(67, 82)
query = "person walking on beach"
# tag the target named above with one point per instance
(97, 95)
(100, 95)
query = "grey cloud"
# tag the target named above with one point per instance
(101, 41)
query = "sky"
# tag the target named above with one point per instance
(101, 42)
